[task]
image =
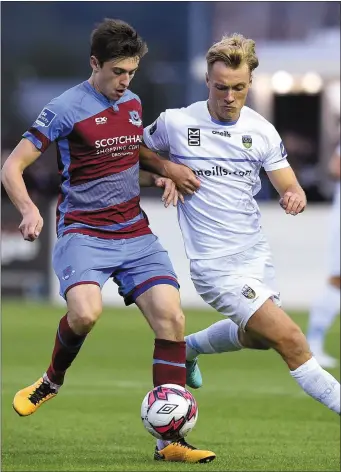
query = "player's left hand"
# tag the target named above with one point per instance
(293, 203)
(170, 194)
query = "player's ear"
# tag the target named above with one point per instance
(207, 78)
(94, 63)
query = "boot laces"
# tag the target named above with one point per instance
(41, 392)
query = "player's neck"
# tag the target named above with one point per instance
(93, 84)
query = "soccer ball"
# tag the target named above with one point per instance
(169, 412)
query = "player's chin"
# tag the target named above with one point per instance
(228, 114)
(115, 95)
(118, 94)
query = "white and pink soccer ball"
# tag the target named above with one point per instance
(169, 412)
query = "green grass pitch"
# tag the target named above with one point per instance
(251, 413)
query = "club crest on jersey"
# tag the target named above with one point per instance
(247, 141)
(248, 292)
(135, 118)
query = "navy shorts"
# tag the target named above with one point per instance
(135, 264)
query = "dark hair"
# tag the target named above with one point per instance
(114, 39)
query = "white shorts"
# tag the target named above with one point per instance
(237, 285)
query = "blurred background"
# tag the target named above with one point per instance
(296, 87)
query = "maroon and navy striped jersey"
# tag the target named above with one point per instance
(98, 143)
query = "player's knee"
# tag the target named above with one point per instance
(259, 345)
(171, 325)
(178, 322)
(250, 341)
(83, 317)
(84, 307)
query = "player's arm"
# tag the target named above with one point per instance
(170, 193)
(281, 175)
(183, 177)
(335, 164)
(52, 123)
(147, 179)
(156, 140)
(152, 162)
(293, 199)
(21, 157)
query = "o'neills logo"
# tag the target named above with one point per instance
(135, 139)
(218, 171)
(224, 133)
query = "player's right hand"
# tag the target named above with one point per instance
(183, 177)
(31, 224)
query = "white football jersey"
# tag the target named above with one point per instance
(222, 217)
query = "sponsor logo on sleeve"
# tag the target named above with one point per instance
(45, 118)
(193, 137)
(153, 128)
(283, 150)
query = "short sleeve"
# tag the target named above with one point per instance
(155, 135)
(276, 155)
(52, 123)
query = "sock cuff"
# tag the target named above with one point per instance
(310, 365)
(223, 336)
(167, 342)
(67, 336)
(170, 351)
(55, 386)
(235, 336)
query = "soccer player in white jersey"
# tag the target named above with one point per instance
(327, 306)
(226, 143)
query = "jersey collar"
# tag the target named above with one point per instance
(103, 98)
(221, 123)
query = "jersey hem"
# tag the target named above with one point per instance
(103, 235)
(218, 254)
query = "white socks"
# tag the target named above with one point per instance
(223, 337)
(160, 444)
(217, 338)
(53, 385)
(322, 315)
(318, 383)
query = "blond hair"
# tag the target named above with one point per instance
(233, 51)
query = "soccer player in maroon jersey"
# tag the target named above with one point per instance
(102, 231)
